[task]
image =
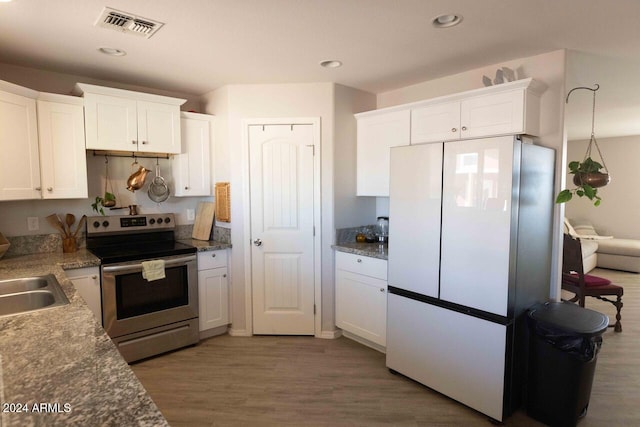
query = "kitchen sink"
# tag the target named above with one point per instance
(29, 294)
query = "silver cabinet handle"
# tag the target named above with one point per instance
(49, 188)
(381, 289)
(224, 275)
(359, 260)
(134, 142)
(213, 255)
(38, 188)
(94, 277)
(144, 142)
(186, 188)
(454, 130)
(464, 128)
(257, 242)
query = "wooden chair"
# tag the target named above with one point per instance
(585, 285)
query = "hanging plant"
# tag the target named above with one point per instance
(588, 175)
(100, 203)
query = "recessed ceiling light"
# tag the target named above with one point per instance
(446, 20)
(5, 1)
(331, 63)
(112, 51)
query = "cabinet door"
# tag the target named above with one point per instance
(361, 306)
(476, 223)
(494, 114)
(376, 135)
(110, 123)
(63, 162)
(191, 169)
(87, 283)
(158, 127)
(435, 123)
(213, 298)
(19, 162)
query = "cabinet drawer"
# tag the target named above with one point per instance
(359, 264)
(212, 259)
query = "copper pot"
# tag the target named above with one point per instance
(136, 180)
(594, 179)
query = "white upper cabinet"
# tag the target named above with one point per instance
(508, 109)
(122, 120)
(42, 145)
(435, 123)
(19, 162)
(376, 135)
(191, 168)
(63, 162)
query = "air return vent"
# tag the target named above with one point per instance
(127, 23)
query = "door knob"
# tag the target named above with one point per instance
(257, 242)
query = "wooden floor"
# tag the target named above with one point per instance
(304, 381)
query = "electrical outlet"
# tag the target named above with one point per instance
(33, 224)
(191, 214)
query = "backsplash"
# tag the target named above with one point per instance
(348, 235)
(45, 243)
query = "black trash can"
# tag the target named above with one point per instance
(564, 341)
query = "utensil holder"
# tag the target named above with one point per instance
(69, 244)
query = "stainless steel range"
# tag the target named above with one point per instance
(145, 317)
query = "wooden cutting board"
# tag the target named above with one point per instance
(204, 221)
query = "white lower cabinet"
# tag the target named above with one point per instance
(87, 283)
(213, 290)
(361, 296)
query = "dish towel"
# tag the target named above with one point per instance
(153, 270)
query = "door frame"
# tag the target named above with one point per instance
(317, 211)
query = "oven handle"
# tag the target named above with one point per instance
(138, 267)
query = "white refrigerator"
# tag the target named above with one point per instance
(470, 238)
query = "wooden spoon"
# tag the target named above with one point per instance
(70, 220)
(56, 222)
(80, 225)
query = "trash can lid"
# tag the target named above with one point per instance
(570, 317)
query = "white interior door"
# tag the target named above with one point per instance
(282, 236)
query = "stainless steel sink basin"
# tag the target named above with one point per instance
(29, 294)
(22, 285)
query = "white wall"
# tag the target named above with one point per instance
(549, 68)
(619, 211)
(349, 208)
(235, 103)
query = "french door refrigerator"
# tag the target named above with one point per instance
(469, 251)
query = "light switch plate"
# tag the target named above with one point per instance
(191, 214)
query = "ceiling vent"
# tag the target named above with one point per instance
(127, 23)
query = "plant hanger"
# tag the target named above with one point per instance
(592, 141)
(588, 175)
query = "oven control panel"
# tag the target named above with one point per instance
(128, 223)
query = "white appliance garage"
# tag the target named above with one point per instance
(469, 246)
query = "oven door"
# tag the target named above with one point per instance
(132, 304)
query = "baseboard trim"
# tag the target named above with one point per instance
(239, 333)
(364, 341)
(330, 335)
(220, 330)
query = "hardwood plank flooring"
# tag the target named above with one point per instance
(304, 381)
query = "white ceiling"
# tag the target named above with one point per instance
(384, 44)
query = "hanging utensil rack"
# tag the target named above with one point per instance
(134, 154)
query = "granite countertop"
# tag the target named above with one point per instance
(373, 250)
(205, 245)
(61, 357)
